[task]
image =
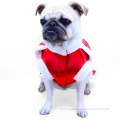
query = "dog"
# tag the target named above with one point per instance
(64, 58)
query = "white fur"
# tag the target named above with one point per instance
(84, 72)
(38, 52)
(43, 69)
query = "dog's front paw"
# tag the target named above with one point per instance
(87, 91)
(81, 110)
(41, 88)
(82, 113)
(45, 109)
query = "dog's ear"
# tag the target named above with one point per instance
(81, 9)
(39, 9)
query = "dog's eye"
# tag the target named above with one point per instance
(65, 21)
(42, 21)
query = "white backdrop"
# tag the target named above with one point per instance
(19, 35)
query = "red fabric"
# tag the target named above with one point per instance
(42, 43)
(93, 72)
(64, 68)
(86, 44)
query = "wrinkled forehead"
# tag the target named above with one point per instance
(57, 11)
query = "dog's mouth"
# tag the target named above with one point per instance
(54, 36)
(54, 33)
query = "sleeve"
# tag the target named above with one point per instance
(87, 70)
(39, 63)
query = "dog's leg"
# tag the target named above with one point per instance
(48, 104)
(81, 111)
(41, 87)
(87, 89)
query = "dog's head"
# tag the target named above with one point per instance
(60, 22)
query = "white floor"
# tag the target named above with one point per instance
(19, 33)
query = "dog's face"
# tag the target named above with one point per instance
(60, 22)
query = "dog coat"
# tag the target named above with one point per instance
(65, 69)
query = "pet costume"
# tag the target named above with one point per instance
(68, 68)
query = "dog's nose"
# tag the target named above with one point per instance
(53, 23)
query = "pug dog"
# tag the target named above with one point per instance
(64, 58)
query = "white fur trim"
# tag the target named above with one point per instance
(84, 72)
(38, 52)
(67, 48)
(42, 68)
